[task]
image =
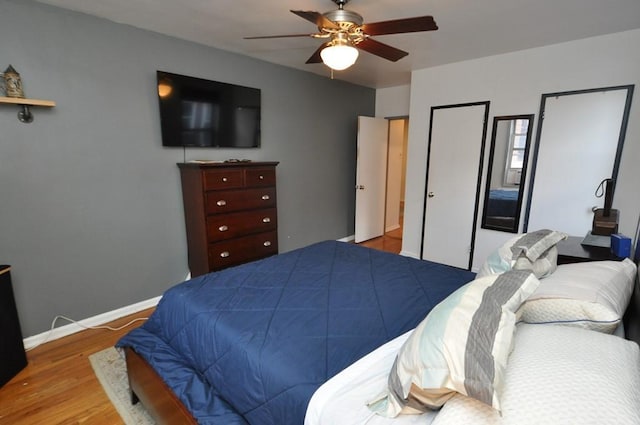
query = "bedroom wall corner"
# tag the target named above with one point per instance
(514, 83)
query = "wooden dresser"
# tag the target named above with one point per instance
(230, 213)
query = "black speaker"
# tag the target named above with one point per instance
(12, 356)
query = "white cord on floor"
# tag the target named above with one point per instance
(53, 325)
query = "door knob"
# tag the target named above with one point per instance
(431, 195)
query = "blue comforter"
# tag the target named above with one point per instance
(253, 343)
(502, 203)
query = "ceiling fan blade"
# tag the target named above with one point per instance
(317, 18)
(381, 49)
(315, 57)
(278, 36)
(399, 26)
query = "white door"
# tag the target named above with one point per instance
(371, 177)
(577, 150)
(452, 183)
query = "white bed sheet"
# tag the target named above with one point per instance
(343, 399)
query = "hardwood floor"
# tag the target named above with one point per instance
(390, 242)
(58, 385)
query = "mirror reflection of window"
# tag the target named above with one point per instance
(518, 130)
(506, 172)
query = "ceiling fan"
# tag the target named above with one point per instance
(346, 32)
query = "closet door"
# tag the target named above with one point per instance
(454, 165)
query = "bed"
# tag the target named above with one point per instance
(251, 344)
(305, 336)
(501, 209)
(503, 202)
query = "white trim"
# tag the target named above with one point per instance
(98, 320)
(409, 254)
(392, 228)
(349, 238)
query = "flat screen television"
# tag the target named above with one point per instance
(200, 113)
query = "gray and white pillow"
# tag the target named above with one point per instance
(535, 251)
(560, 375)
(461, 346)
(592, 295)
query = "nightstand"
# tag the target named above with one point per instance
(12, 356)
(571, 250)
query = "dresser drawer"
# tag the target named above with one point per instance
(223, 179)
(260, 177)
(224, 201)
(240, 250)
(226, 226)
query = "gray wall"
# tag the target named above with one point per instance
(91, 211)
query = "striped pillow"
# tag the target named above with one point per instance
(535, 251)
(462, 346)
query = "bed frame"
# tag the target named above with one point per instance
(147, 387)
(165, 407)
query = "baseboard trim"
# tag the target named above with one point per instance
(392, 228)
(409, 254)
(80, 325)
(349, 238)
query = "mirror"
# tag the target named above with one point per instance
(506, 173)
(578, 144)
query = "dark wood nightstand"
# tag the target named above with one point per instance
(572, 251)
(12, 356)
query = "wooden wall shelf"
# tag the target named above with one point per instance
(30, 102)
(25, 114)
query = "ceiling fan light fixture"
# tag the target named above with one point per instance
(339, 56)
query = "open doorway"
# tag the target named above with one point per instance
(396, 171)
(391, 240)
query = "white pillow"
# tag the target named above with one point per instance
(461, 346)
(560, 375)
(534, 251)
(593, 295)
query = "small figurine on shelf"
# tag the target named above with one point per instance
(12, 83)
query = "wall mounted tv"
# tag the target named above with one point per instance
(202, 113)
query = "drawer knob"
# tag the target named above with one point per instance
(223, 228)
(267, 243)
(224, 254)
(221, 203)
(224, 179)
(265, 197)
(261, 177)
(266, 220)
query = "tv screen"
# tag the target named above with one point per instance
(202, 113)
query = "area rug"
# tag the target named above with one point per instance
(110, 368)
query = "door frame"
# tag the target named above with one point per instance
(405, 119)
(486, 104)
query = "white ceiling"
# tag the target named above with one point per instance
(467, 29)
